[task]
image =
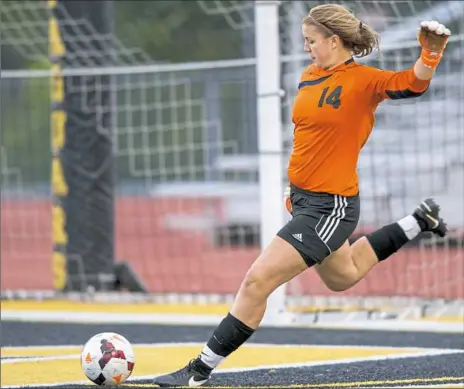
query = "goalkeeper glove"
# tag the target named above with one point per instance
(433, 38)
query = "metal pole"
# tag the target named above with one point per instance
(269, 136)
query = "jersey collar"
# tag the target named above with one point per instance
(322, 72)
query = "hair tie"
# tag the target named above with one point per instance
(360, 25)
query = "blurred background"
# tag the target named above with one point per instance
(131, 145)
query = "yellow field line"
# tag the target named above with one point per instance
(145, 308)
(333, 384)
(454, 319)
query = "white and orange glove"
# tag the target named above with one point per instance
(287, 201)
(433, 37)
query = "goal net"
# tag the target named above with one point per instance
(188, 194)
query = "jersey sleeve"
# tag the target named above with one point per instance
(386, 84)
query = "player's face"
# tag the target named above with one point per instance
(317, 46)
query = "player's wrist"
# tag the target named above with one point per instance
(430, 58)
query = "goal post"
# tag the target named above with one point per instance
(270, 145)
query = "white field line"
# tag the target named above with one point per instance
(249, 344)
(425, 352)
(191, 319)
(13, 360)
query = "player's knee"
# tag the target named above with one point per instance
(255, 285)
(338, 286)
(341, 281)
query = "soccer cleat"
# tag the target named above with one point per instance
(429, 213)
(196, 373)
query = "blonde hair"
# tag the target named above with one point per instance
(334, 19)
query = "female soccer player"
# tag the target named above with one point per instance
(333, 116)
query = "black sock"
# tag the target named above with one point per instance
(228, 337)
(387, 240)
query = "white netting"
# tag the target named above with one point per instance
(396, 167)
(187, 208)
(25, 31)
(173, 125)
(237, 14)
(415, 150)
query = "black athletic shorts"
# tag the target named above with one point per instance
(321, 223)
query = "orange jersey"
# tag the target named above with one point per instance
(333, 114)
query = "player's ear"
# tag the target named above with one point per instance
(335, 41)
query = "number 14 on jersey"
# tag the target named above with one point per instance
(332, 99)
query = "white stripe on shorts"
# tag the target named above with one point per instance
(334, 218)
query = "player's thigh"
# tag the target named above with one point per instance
(300, 233)
(321, 224)
(278, 263)
(338, 268)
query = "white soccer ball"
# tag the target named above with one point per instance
(107, 359)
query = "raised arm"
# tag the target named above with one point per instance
(404, 84)
(432, 37)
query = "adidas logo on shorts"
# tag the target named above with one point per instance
(298, 237)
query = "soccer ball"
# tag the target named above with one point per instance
(107, 359)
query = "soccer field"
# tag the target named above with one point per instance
(148, 149)
(38, 354)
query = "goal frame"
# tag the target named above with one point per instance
(268, 64)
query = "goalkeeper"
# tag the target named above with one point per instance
(333, 116)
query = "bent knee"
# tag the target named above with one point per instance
(339, 286)
(341, 280)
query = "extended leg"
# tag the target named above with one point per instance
(348, 265)
(279, 263)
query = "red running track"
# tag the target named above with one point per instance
(174, 259)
